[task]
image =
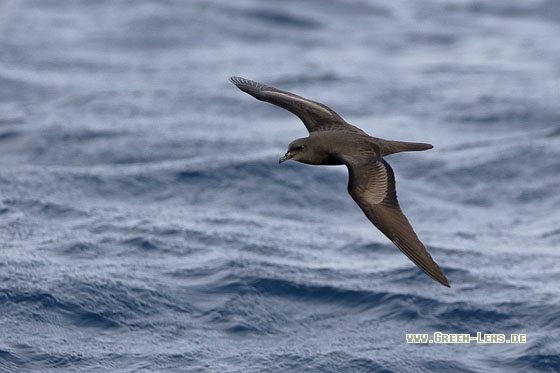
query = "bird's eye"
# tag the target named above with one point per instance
(301, 147)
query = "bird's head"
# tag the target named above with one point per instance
(297, 151)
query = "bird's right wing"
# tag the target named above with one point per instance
(372, 186)
(315, 116)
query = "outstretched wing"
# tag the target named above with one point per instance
(372, 186)
(315, 116)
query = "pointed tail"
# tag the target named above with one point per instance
(391, 147)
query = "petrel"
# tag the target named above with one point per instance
(371, 183)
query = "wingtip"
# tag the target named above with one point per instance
(246, 85)
(235, 79)
(438, 275)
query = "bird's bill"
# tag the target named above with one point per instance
(286, 157)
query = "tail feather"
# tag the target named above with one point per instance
(391, 147)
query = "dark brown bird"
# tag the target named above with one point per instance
(371, 183)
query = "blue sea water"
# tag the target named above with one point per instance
(146, 226)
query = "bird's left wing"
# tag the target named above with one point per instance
(372, 186)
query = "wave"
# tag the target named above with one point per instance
(45, 307)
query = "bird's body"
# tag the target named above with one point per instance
(332, 141)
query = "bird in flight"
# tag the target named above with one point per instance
(333, 141)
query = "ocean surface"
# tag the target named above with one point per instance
(146, 226)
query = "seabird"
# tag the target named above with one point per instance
(333, 141)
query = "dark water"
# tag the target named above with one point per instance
(145, 224)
